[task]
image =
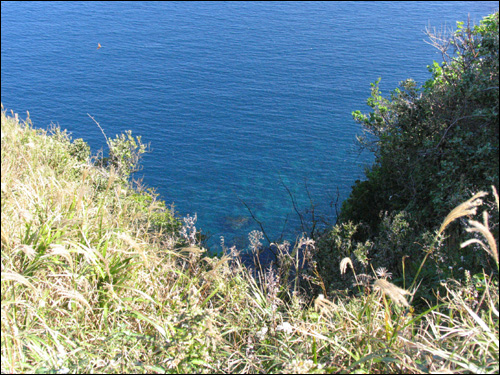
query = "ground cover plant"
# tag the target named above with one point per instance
(99, 275)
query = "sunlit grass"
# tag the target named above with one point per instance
(99, 276)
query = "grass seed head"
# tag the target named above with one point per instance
(395, 293)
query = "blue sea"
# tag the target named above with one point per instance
(246, 105)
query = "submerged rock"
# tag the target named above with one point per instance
(236, 222)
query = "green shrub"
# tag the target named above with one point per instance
(436, 143)
(80, 150)
(124, 154)
(333, 246)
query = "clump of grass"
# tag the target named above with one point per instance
(99, 276)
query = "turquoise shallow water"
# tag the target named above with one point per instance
(238, 99)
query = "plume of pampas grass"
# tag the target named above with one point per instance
(28, 250)
(469, 207)
(323, 306)
(14, 276)
(483, 228)
(396, 293)
(495, 194)
(72, 295)
(343, 265)
(61, 250)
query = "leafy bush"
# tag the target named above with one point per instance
(336, 244)
(124, 154)
(80, 150)
(434, 143)
(158, 216)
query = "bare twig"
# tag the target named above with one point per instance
(107, 142)
(294, 203)
(255, 219)
(313, 218)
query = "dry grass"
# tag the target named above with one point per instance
(92, 283)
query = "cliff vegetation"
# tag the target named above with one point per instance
(99, 275)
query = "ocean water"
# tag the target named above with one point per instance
(244, 104)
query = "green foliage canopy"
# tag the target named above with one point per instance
(433, 143)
